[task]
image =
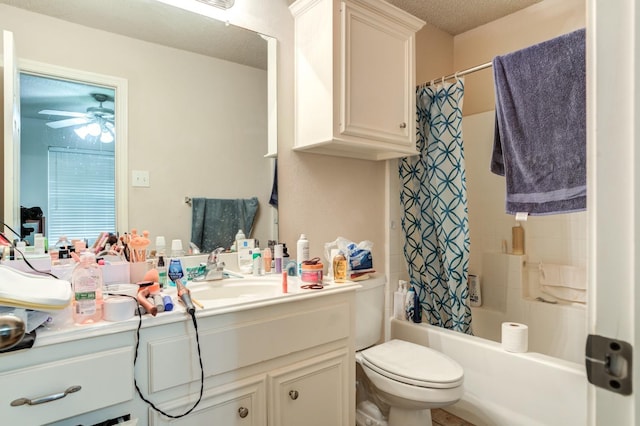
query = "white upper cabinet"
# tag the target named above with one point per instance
(354, 78)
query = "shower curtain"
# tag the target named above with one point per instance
(434, 200)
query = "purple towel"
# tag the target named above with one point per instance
(540, 136)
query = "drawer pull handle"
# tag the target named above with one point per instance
(43, 399)
(403, 125)
(294, 394)
(243, 412)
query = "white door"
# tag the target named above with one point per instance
(11, 134)
(614, 115)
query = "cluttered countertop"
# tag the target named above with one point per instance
(49, 306)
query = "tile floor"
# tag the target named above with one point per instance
(440, 417)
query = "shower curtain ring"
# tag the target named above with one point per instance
(443, 79)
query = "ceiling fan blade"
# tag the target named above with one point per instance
(68, 122)
(62, 113)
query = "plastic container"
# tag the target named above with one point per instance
(311, 273)
(302, 251)
(86, 280)
(475, 295)
(399, 298)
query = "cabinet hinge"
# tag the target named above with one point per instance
(609, 363)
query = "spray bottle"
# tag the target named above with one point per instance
(302, 252)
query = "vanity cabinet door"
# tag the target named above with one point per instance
(311, 393)
(378, 94)
(241, 403)
(354, 78)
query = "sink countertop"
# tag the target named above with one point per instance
(52, 335)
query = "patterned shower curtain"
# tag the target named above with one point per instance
(434, 199)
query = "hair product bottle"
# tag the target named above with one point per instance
(302, 252)
(339, 268)
(517, 239)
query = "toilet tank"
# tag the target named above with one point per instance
(369, 312)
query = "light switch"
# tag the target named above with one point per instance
(140, 178)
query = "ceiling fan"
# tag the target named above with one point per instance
(99, 114)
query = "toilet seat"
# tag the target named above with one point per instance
(413, 364)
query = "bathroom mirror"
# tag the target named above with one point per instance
(200, 101)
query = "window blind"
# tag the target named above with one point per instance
(81, 194)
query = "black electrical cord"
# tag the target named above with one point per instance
(24, 258)
(135, 358)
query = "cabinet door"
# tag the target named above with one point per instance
(378, 93)
(238, 404)
(311, 393)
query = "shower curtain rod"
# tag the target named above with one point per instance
(458, 74)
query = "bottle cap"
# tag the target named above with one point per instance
(278, 251)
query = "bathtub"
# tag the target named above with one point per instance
(502, 388)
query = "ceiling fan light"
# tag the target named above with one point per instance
(222, 4)
(94, 129)
(81, 131)
(106, 137)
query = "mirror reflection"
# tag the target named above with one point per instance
(195, 119)
(67, 179)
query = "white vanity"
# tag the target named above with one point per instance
(285, 359)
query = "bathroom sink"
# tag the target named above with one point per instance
(241, 290)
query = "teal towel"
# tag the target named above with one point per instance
(215, 222)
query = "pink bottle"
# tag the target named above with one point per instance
(86, 280)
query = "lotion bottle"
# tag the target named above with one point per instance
(266, 254)
(277, 254)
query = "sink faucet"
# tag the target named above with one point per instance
(215, 266)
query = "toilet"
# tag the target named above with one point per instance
(407, 378)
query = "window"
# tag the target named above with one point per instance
(81, 194)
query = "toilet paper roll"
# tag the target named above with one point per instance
(515, 337)
(118, 308)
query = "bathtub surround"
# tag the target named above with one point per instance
(434, 200)
(540, 138)
(552, 239)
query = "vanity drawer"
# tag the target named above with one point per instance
(105, 378)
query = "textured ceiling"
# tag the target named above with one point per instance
(157, 22)
(458, 16)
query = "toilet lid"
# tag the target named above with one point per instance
(413, 364)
